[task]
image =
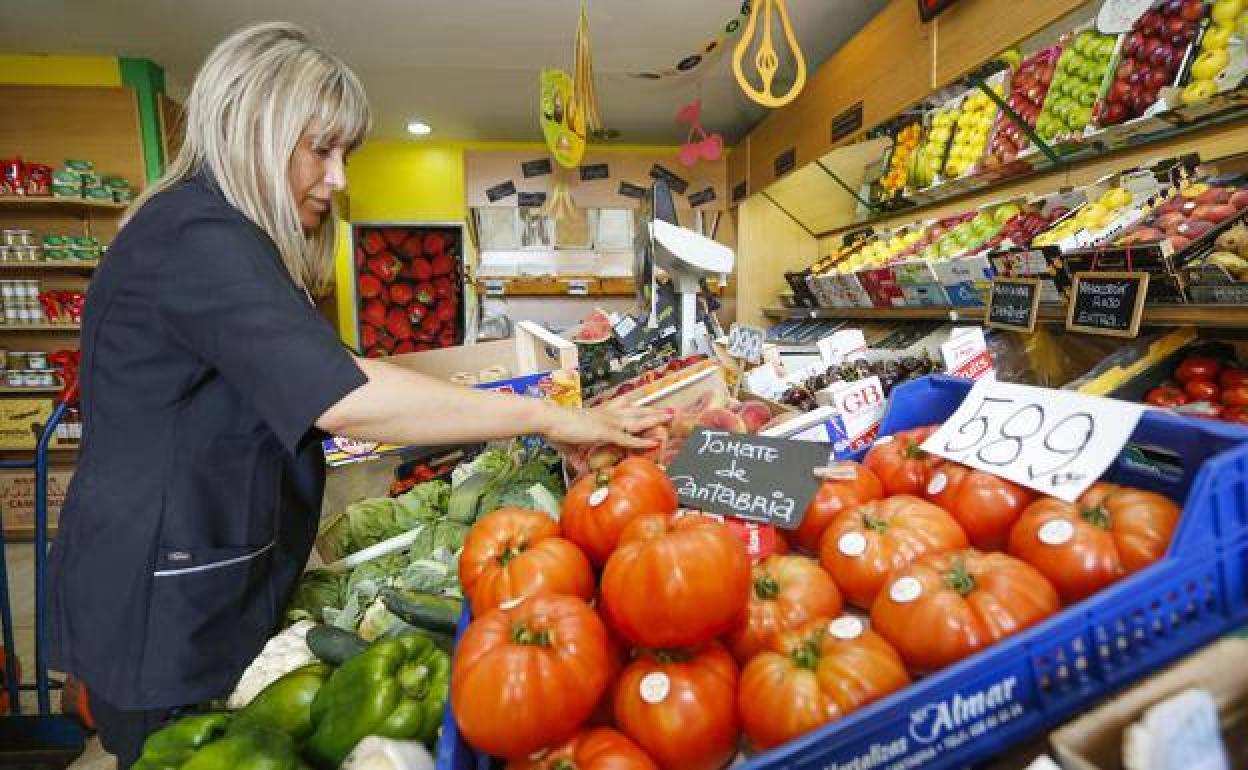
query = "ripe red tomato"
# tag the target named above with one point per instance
(903, 468)
(680, 707)
(1233, 377)
(946, 606)
(833, 497)
(864, 545)
(1166, 395)
(513, 553)
(594, 519)
(597, 748)
(787, 592)
(675, 581)
(1195, 368)
(985, 505)
(1109, 532)
(1236, 414)
(528, 677)
(1235, 396)
(1202, 390)
(812, 675)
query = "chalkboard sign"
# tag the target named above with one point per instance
(703, 197)
(530, 200)
(769, 480)
(740, 192)
(500, 191)
(532, 168)
(630, 190)
(678, 183)
(1012, 304)
(785, 161)
(1111, 304)
(847, 123)
(596, 171)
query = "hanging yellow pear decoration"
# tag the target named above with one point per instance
(765, 59)
(563, 122)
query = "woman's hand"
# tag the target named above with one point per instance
(609, 424)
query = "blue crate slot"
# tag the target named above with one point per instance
(981, 706)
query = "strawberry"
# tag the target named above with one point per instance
(429, 326)
(374, 313)
(369, 286)
(398, 324)
(394, 236)
(360, 257)
(373, 242)
(420, 269)
(412, 246)
(423, 346)
(443, 288)
(401, 294)
(434, 243)
(442, 264)
(425, 293)
(368, 335)
(385, 266)
(447, 338)
(404, 346)
(416, 312)
(444, 311)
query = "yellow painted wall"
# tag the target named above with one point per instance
(46, 70)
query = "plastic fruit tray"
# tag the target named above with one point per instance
(981, 706)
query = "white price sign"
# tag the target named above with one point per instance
(1054, 441)
(746, 342)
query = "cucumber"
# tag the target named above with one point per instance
(333, 645)
(431, 613)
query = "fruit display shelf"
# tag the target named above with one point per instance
(1208, 316)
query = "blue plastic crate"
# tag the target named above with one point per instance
(980, 707)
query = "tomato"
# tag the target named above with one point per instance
(593, 519)
(1198, 368)
(864, 545)
(1236, 414)
(946, 606)
(903, 468)
(1235, 396)
(527, 677)
(513, 553)
(1166, 396)
(1233, 377)
(812, 675)
(1109, 532)
(1202, 390)
(675, 581)
(787, 592)
(681, 707)
(833, 497)
(986, 506)
(597, 748)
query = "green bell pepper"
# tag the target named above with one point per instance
(397, 688)
(201, 742)
(286, 704)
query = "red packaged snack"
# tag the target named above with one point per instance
(12, 177)
(38, 179)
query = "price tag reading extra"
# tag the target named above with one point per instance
(1053, 441)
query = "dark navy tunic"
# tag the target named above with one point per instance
(195, 501)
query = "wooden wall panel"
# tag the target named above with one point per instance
(768, 244)
(172, 117)
(47, 124)
(973, 31)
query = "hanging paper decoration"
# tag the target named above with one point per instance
(707, 54)
(708, 147)
(584, 92)
(766, 62)
(559, 206)
(563, 122)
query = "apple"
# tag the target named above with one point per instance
(1170, 220)
(1193, 10)
(1179, 242)
(1215, 213)
(1161, 55)
(1214, 195)
(1194, 228)
(1114, 113)
(1239, 199)
(1150, 23)
(1225, 12)
(1209, 64)
(1171, 8)
(1158, 79)
(1216, 38)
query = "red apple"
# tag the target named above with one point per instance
(1214, 212)
(1239, 199)
(1193, 10)
(1133, 44)
(1161, 55)
(1194, 228)
(1214, 195)
(1114, 113)
(1150, 23)
(1158, 79)
(1169, 220)
(1171, 8)
(1119, 92)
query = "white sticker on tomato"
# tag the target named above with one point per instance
(938, 483)
(655, 687)
(1056, 532)
(846, 627)
(852, 544)
(598, 495)
(511, 603)
(882, 440)
(905, 590)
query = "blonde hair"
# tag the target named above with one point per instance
(252, 100)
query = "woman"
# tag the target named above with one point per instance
(208, 379)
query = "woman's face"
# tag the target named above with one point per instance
(316, 172)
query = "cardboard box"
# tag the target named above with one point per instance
(966, 279)
(17, 499)
(1094, 740)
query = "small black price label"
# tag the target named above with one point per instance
(1110, 304)
(1013, 304)
(539, 167)
(529, 200)
(702, 197)
(675, 181)
(500, 191)
(596, 171)
(630, 190)
(785, 162)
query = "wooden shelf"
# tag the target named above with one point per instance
(67, 328)
(1210, 316)
(563, 286)
(5, 390)
(79, 207)
(68, 266)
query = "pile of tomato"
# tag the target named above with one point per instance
(639, 635)
(1205, 387)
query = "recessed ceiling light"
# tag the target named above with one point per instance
(419, 128)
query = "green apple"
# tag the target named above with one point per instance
(1079, 117)
(1105, 48)
(1225, 12)
(1216, 38)
(1209, 64)
(1005, 212)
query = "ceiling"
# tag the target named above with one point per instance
(467, 67)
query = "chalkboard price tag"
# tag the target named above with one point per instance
(1110, 304)
(630, 190)
(746, 342)
(785, 161)
(678, 183)
(500, 191)
(1057, 442)
(531, 200)
(847, 123)
(702, 197)
(768, 480)
(539, 167)
(740, 192)
(1013, 304)
(596, 171)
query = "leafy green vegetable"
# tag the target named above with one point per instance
(369, 522)
(316, 590)
(512, 488)
(423, 502)
(470, 480)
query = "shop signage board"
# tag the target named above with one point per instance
(500, 191)
(539, 167)
(1013, 304)
(767, 480)
(861, 405)
(1057, 442)
(595, 171)
(531, 199)
(966, 355)
(1110, 304)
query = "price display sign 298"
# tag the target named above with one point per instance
(1053, 441)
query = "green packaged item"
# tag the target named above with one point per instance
(116, 182)
(205, 742)
(91, 180)
(122, 196)
(52, 241)
(67, 177)
(81, 166)
(286, 704)
(56, 255)
(397, 688)
(98, 194)
(85, 255)
(65, 191)
(83, 241)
